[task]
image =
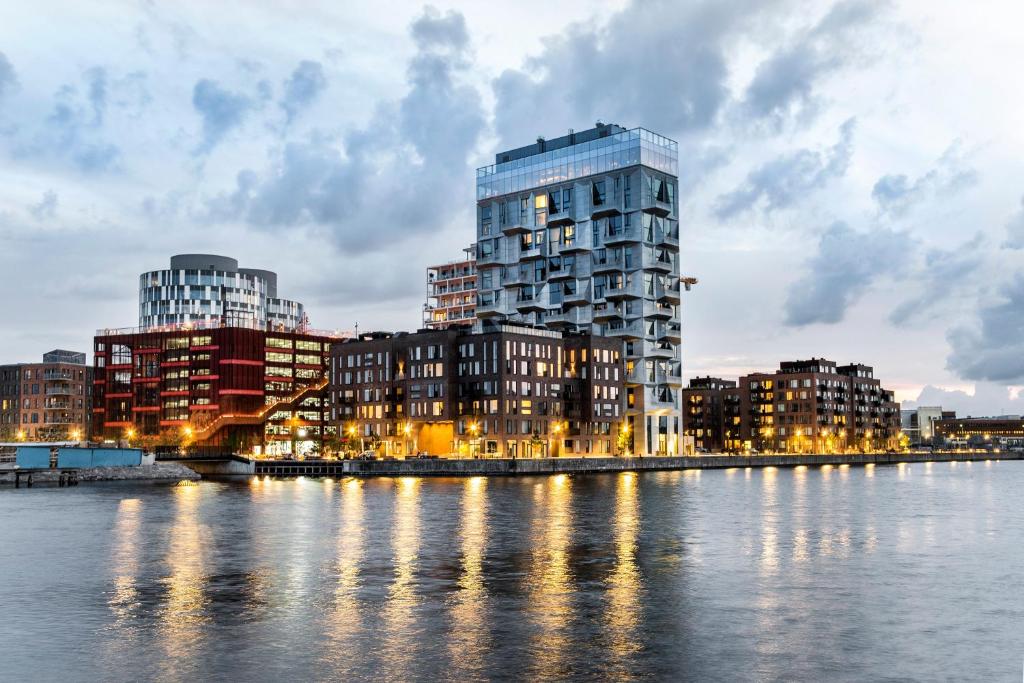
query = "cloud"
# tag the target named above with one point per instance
(846, 264)
(8, 79)
(46, 209)
(784, 85)
(1015, 229)
(783, 181)
(221, 110)
(386, 183)
(302, 87)
(664, 62)
(992, 347)
(897, 194)
(988, 400)
(942, 279)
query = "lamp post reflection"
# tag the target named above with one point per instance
(184, 611)
(124, 599)
(624, 586)
(468, 640)
(550, 601)
(398, 614)
(345, 620)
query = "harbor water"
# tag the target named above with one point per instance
(909, 572)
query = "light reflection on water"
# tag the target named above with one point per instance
(843, 573)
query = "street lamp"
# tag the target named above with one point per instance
(474, 428)
(76, 435)
(556, 429)
(129, 435)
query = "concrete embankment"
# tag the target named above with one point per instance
(161, 471)
(498, 467)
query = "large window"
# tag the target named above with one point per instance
(120, 354)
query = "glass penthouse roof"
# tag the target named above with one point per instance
(628, 148)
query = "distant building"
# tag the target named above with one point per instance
(48, 401)
(504, 391)
(994, 432)
(451, 293)
(710, 415)
(808, 406)
(206, 288)
(919, 423)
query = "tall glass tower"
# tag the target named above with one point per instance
(582, 233)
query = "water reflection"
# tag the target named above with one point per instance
(345, 619)
(468, 640)
(183, 614)
(549, 604)
(399, 612)
(623, 613)
(125, 560)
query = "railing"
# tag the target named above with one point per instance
(207, 430)
(220, 324)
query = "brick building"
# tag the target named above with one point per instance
(226, 384)
(707, 411)
(48, 401)
(809, 406)
(504, 391)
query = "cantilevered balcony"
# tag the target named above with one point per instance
(632, 330)
(580, 243)
(558, 319)
(668, 294)
(627, 290)
(660, 350)
(513, 277)
(662, 263)
(606, 313)
(581, 297)
(661, 398)
(528, 303)
(561, 218)
(609, 264)
(531, 253)
(623, 236)
(657, 310)
(515, 228)
(562, 272)
(490, 309)
(669, 332)
(485, 260)
(658, 208)
(611, 205)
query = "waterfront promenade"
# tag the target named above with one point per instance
(533, 466)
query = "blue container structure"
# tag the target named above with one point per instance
(38, 457)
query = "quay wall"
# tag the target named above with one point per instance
(530, 466)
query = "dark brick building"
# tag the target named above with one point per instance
(708, 410)
(506, 391)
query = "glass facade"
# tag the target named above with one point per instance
(604, 155)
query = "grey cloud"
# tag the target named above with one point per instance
(942, 278)
(992, 348)
(221, 110)
(389, 181)
(784, 84)
(847, 262)
(434, 29)
(1015, 229)
(8, 79)
(46, 209)
(781, 182)
(988, 399)
(302, 87)
(665, 62)
(896, 194)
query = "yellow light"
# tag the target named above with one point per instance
(76, 435)
(188, 432)
(21, 435)
(407, 428)
(474, 427)
(557, 428)
(130, 433)
(352, 430)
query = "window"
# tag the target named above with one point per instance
(121, 354)
(598, 194)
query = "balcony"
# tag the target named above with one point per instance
(603, 315)
(581, 297)
(611, 206)
(609, 264)
(531, 253)
(492, 259)
(580, 243)
(622, 236)
(561, 218)
(661, 399)
(516, 278)
(670, 332)
(60, 390)
(628, 290)
(662, 264)
(527, 304)
(491, 309)
(558, 319)
(667, 293)
(668, 239)
(660, 350)
(632, 330)
(656, 310)
(658, 208)
(562, 273)
(516, 228)
(639, 375)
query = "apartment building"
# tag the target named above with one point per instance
(451, 293)
(48, 401)
(1003, 432)
(250, 390)
(501, 391)
(806, 406)
(708, 412)
(206, 288)
(581, 233)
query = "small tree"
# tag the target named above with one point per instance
(537, 441)
(624, 442)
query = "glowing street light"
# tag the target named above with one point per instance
(76, 435)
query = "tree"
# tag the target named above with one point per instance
(536, 441)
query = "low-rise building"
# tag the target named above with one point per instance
(239, 387)
(808, 406)
(705, 406)
(48, 401)
(503, 391)
(995, 432)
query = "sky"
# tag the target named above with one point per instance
(850, 172)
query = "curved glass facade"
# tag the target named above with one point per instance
(204, 288)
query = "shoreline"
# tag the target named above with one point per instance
(158, 472)
(549, 466)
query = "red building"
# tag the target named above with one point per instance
(250, 390)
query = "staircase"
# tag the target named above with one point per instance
(227, 420)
